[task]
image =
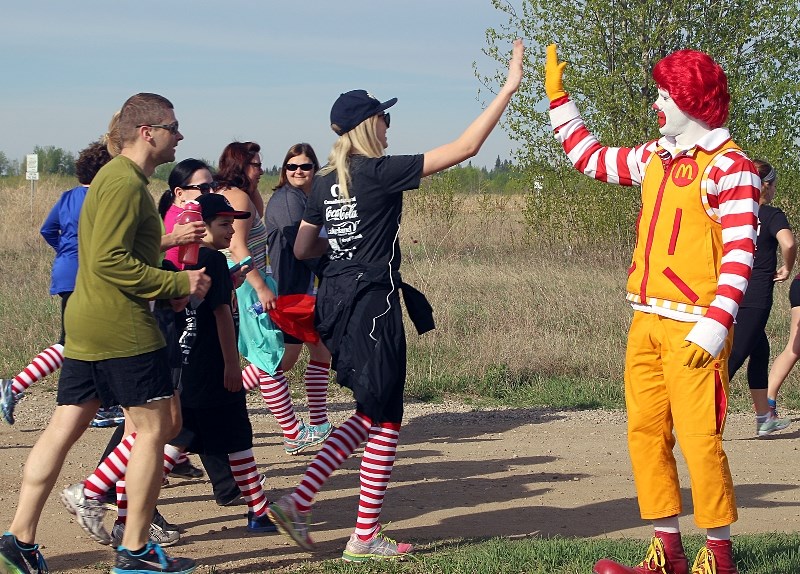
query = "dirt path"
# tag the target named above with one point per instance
(459, 473)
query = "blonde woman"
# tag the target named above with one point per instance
(356, 204)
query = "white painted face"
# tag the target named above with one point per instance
(671, 120)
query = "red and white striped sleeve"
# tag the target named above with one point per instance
(732, 190)
(619, 165)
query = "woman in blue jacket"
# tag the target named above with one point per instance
(60, 230)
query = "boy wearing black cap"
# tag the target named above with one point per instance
(213, 399)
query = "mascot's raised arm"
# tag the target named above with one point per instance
(694, 251)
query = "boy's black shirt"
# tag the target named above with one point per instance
(202, 377)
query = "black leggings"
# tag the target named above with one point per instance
(750, 340)
(64, 297)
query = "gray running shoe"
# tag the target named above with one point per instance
(290, 521)
(771, 425)
(7, 400)
(161, 532)
(88, 513)
(379, 547)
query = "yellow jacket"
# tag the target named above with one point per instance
(679, 246)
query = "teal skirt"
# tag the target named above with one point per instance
(260, 340)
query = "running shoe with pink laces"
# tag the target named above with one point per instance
(379, 547)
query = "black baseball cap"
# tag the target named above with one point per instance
(352, 108)
(216, 205)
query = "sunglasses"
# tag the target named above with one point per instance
(386, 118)
(171, 128)
(203, 188)
(302, 166)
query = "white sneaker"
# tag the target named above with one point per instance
(379, 547)
(88, 512)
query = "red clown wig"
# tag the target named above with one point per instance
(697, 84)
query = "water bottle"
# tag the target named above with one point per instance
(187, 254)
(256, 309)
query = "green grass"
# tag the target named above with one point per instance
(500, 385)
(754, 554)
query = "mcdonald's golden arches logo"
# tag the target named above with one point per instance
(684, 172)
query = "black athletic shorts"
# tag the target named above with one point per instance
(794, 292)
(127, 381)
(222, 429)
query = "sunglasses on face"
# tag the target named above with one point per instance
(171, 128)
(203, 188)
(386, 118)
(302, 166)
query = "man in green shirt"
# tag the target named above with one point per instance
(114, 351)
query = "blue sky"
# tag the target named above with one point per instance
(264, 71)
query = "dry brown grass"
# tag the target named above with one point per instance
(499, 300)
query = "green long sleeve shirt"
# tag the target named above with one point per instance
(119, 234)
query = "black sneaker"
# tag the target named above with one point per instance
(186, 470)
(151, 559)
(13, 558)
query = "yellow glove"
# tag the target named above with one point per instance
(553, 70)
(695, 356)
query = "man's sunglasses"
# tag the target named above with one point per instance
(203, 188)
(302, 166)
(171, 128)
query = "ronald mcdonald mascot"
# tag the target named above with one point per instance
(696, 234)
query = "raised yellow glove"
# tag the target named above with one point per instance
(553, 71)
(695, 356)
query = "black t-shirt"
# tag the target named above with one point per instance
(282, 218)
(771, 220)
(365, 228)
(202, 377)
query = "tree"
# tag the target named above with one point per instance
(162, 171)
(611, 47)
(55, 160)
(5, 165)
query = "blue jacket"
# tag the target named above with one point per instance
(60, 230)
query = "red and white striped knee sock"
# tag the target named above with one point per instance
(171, 456)
(110, 470)
(316, 380)
(340, 445)
(122, 502)
(275, 391)
(245, 473)
(46, 362)
(376, 470)
(250, 377)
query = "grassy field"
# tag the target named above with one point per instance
(523, 318)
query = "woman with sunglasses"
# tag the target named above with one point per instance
(358, 199)
(293, 277)
(188, 180)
